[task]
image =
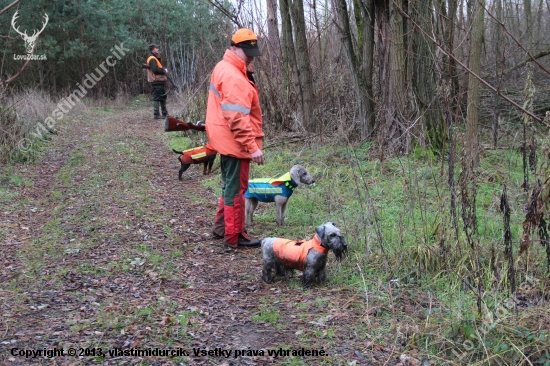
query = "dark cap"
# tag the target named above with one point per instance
(153, 46)
(250, 48)
(248, 41)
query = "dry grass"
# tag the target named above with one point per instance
(20, 114)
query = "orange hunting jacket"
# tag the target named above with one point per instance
(233, 114)
(292, 254)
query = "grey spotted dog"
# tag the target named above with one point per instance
(276, 190)
(310, 257)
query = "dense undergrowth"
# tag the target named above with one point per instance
(416, 273)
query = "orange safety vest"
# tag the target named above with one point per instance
(197, 155)
(151, 76)
(292, 254)
(233, 113)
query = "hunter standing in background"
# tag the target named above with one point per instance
(234, 128)
(156, 76)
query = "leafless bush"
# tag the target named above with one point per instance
(19, 115)
(9, 130)
(190, 104)
(33, 106)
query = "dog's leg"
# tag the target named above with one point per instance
(280, 204)
(281, 270)
(308, 276)
(251, 204)
(210, 163)
(183, 168)
(270, 259)
(266, 272)
(322, 276)
(204, 167)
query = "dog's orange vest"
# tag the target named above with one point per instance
(197, 154)
(292, 254)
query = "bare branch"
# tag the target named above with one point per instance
(532, 58)
(3, 82)
(225, 11)
(9, 6)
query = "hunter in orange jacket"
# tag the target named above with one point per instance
(233, 115)
(234, 129)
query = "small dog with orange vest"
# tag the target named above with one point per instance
(202, 154)
(310, 257)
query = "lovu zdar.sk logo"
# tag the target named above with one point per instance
(30, 41)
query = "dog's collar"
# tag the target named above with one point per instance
(291, 184)
(317, 245)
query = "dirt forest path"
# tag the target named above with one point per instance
(105, 249)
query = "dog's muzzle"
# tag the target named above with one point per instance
(341, 250)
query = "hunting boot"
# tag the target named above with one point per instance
(163, 109)
(156, 113)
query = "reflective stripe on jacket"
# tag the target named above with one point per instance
(292, 254)
(233, 114)
(265, 189)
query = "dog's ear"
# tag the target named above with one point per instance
(320, 230)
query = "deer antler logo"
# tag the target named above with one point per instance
(29, 40)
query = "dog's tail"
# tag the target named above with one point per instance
(177, 152)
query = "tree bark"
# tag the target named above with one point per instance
(392, 70)
(294, 44)
(359, 63)
(305, 80)
(472, 114)
(424, 78)
(290, 71)
(274, 42)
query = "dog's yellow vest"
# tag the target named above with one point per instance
(292, 254)
(265, 189)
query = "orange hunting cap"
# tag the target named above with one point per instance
(247, 40)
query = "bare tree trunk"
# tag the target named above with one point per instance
(422, 52)
(393, 91)
(290, 72)
(360, 63)
(529, 26)
(304, 67)
(274, 42)
(446, 23)
(499, 66)
(470, 158)
(472, 114)
(383, 58)
(367, 66)
(293, 26)
(399, 91)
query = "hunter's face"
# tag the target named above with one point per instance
(239, 52)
